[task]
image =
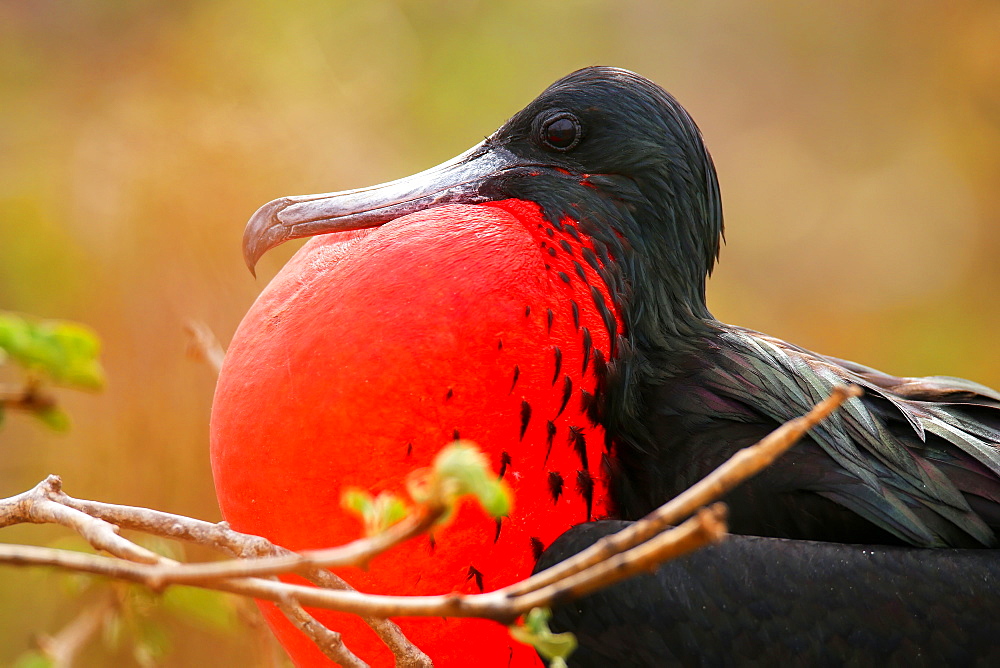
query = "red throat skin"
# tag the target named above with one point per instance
(363, 358)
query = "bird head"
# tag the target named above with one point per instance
(602, 146)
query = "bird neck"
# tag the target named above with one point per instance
(654, 252)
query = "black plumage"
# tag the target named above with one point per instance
(772, 601)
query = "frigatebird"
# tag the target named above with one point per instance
(611, 181)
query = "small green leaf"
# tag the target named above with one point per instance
(15, 335)
(64, 352)
(357, 500)
(534, 630)
(204, 608)
(466, 467)
(79, 348)
(389, 509)
(378, 513)
(54, 418)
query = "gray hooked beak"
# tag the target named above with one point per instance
(457, 180)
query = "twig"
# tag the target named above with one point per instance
(28, 398)
(105, 518)
(499, 605)
(356, 553)
(707, 526)
(36, 506)
(407, 654)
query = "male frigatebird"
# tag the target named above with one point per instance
(543, 294)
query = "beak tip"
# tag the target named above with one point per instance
(263, 232)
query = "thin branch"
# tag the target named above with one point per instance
(30, 398)
(37, 507)
(407, 654)
(497, 605)
(356, 553)
(706, 527)
(219, 536)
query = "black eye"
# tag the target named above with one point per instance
(561, 132)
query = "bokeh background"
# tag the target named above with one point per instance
(858, 146)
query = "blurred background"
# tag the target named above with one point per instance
(858, 147)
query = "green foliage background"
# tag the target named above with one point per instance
(858, 145)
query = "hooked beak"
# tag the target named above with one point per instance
(458, 180)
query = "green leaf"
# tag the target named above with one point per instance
(79, 347)
(54, 418)
(15, 334)
(389, 509)
(463, 469)
(358, 501)
(534, 630)
(66, 353)
(203, 608)
(378, 513)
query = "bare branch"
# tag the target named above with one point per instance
(355, 553)
(37, 506)
(245, 546)
(499, 605)
(707, 526)
(31, 398)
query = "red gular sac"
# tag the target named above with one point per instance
(372, 350)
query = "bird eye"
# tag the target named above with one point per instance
(561, 132)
